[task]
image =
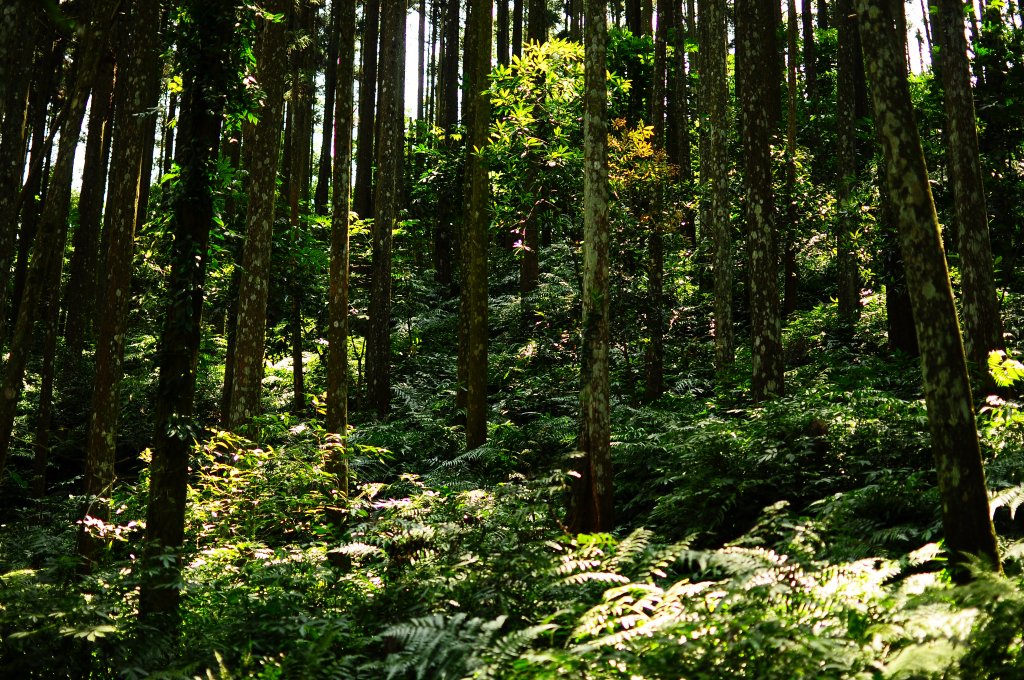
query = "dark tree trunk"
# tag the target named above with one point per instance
(591, 506)
(502, 25)
(303, 91)
(263, 144)
(15, 81)
(80, 293)
(678, 127)
(756, 75)
(980, 305)
(474, 240)
(386, 200)
(363, 197)
(715, 172)
(323, 175)
(337, 302)
(537, 22)
(49, 241)
(136, 94)
(447, 120)
(810, 51)
(789, 247)
(208, 56)
(846, 163)
(517, 27)
(965, 511)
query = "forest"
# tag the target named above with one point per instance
(441, 339)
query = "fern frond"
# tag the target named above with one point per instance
(1011, 498)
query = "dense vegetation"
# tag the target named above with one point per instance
(759, 532)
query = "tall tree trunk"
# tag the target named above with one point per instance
(537, 22)
(965, 512)
(756, 74)
(303, 90)
(447, 120)
(421, 62)
(591, 506)
(517, 28)
(390, 108)
(48, 245)
(80, 292)
(136, 94)
(208, 52)
(679, 144)
(363, 197)
(337, 301)
(715, 172)
(263, 144)
(846, 157)
(790, 275)
(323, 176)
(810, 51)
(982, 323)
(15, 83)
(503, 33)
(474, 240)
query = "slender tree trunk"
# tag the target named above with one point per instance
(15, 83)
(537, 26)
(263, 151)
(980, 305)
(810, 50)
(303, 90)
(591, 506)
(421, 62)
(80, 292)
(48, 245)
(679, 143)
(447, 120)
(756, 73)
(363, 197)
(965, 512)
(474, 241)
(337, 302)
(323, 176)
(390, 111)
(517, 28)
(208, 48)
(846, 156)
(715, 172)
(136, 93)
(502, 23)
(790, 274)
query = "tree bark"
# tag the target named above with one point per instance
(979, 302)
(136, 94)
(81, 290)
(755, 73)
(966, 521)
(323, 176)
(48, 245)
(208, 56)
(363, 197)
(263, 150)
(591, 506)
(846, 163)
(337, 302)
(474, 241)
(390, 108)
(715, 173)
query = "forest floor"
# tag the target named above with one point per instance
(800, 538)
